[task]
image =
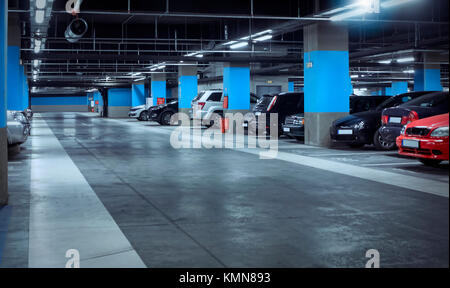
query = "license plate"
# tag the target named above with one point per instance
(345, 132)
(410, 144)
(257, 113)
(286, 130)
(396, 120)
(244, 124)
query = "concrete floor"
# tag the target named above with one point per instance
(117, 191)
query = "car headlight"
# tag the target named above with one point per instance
(403, 130)
(440, 132)
(360, 125)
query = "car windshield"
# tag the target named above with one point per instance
(429, 100)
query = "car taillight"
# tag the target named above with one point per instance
(201, 105)
(413, 116)
(272, 103)
(384, 119)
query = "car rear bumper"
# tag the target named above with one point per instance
(436, 149)
(390, 133)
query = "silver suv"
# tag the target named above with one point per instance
(207, 106)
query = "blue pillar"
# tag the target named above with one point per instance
(15, 78)
(327, 83)
(158, 88)
(428, 76)
(236, 86)
(291, 87)
(119, 102)
(187, 85)
(419, 80)
(138, 95)
(399, 88)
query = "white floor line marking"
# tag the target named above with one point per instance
(396, 179)
(65, 213)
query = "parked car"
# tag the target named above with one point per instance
(359, 129)
(284, 104)
(294, 125)
(163, 113)
(29, 114)
(426, 140)
(393, 119)
(17, 131)
(207, 107)
(139, 112)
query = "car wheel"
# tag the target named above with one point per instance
(430, 162)
(143, 116)
(382, 144)
(216, 121)
(165, 118)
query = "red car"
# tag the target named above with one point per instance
(426, 139)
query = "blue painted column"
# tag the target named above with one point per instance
(158, 89)
(236, 86)
(137, 95)
(15, 78)
(3, 104)
(291, 87)
(327, 84)
(399, 88)
(427, 77)
(187, 86)
(119, 102)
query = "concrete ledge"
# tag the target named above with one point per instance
(60, 108)
(3, 167)
(317, 127)
(118, 111)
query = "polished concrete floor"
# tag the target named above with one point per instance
(118, 192)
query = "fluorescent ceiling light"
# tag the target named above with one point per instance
(256, 35)
(40, 4)
(342, 16)
(263, 38)
(140, 79)
(199, 56)
(40, 16)
(409, 71)
(354, 76)
(37, 48)
(135, 74)
(35, 72)
(385, 61)
(191, 54)
(230, 43)
(407, 59)
(392, 3)
(239, 45)
(35, 63)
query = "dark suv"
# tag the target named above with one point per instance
(163, 113)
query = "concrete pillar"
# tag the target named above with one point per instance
(399, 88)
(16, 75)
(236, 86)
(119, 102)
(291, 87)
(137, 95)
(3, 102)
(327, 84)
(427, 76)
(158, 88)
(187, 86)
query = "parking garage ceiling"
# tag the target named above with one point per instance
(128, 37)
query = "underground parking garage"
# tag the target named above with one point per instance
(232, 134)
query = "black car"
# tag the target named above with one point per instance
(284, 104)
(360, 128)
(163, 113)
(393, 119)
(294, 125)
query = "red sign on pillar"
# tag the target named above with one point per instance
(160, 101)
(225, 102)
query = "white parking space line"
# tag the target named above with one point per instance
(65, 213)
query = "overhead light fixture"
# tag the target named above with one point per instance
(162, 67)
(40, 4)
(135, 74)
(406, 59)
(230, 43)
(34, 77)
(385, 61)
(35, 72)
(354, 76)
(140, 79)
(35, 63)
(256, 35)
(40, 16)
(263, 38)
(37, 48)
(191, 54)
(239, 45)
(199, 55)
(392, 3)
(409, 71)
(342, 16)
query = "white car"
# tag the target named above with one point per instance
(205, 105)
(139, 112)
(17, 131)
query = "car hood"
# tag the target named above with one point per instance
(353, 119)
(432, 122)
(138, 107)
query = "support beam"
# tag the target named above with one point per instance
(327, 80)
(3, 103)
(187, 86)
(137, 95)
(236, 86)
(399, 88)
(158, 89)
(427, 76)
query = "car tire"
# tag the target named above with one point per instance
(430, 162)
(143, 116)
(165, 118)
(216, 121)
(380, 144)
